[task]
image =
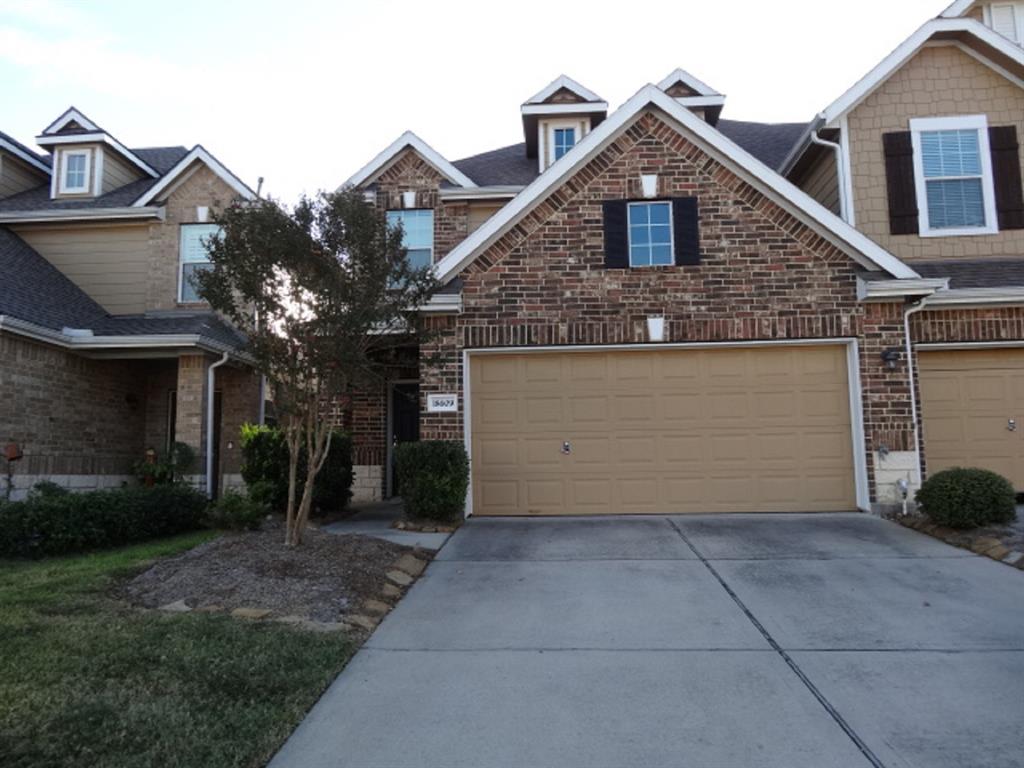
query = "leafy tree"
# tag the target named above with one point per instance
(327, 297)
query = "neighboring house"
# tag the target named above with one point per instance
(925, 161)
(105, 350)
(642, 315)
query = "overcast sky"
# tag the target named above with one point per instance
(305, 92)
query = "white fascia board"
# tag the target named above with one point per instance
(105, 138)
(562, 81)
(858, 246)
(443, 304)
(564, 109)
(19, 153)
(978, 296)
(701, 101)
(198, 154)
(908, 48)
(71, 115)
(680, 75)
(957, 9)
(881, 290)
(428, 153)
(81, 214)
(495, 192)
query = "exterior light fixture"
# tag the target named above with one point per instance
(891, 358)
(656, 328)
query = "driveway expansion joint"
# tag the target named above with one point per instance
(831, 710)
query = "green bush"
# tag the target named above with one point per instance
(60, 523)
(265, 461)
(168, 468)
(434, 476)
(967, 498)
(237, 512)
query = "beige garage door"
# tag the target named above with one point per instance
(670, 431)
(972, 403)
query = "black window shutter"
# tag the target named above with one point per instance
(1006, 175)
(686, 230)
(616, 235)
(899, 180)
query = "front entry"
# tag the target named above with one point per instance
(404, 412)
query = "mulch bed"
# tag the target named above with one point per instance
(999, 542)
(325, 579)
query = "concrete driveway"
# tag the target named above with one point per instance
(719, 641)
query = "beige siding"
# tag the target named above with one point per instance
(108, 262)
(940, 81)
(17, 176)
(117, 172)
(479, 213)
(822, 182)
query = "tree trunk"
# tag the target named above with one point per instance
(318, 443)
(293, 432)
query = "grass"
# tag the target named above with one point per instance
(87, 681)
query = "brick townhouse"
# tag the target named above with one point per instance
(654, 309)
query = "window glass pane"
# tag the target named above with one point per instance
(188, 291)
(639, 235)
(640, 256)
(419, 258)
(659, 213)
(564, 140)
(955, 203)
(661, 234)
(417, 228)
(950, 153)
(650, 234)
(74, 171)
(192, 237)
(661, 255)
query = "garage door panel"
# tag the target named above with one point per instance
(663, 431)
(967, 400)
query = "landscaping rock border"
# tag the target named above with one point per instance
(981, 543)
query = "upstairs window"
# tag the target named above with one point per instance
(650, 234)
(194, 258)
(953, 169)
(417, 234)
(563, 140)
(75, 176)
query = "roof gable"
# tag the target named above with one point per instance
(762, 178)
(71, 121)
(389, 154)
(563, 84)
(692, 85)
(198, 154)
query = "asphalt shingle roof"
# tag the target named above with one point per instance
(499, 167)
(161, 159)
(768, 142)
(35, 291)
(974, 273)
(31, 153)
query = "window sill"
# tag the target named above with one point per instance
(970, 232)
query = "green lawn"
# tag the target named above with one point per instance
(85, 681)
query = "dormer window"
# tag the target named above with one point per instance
(563, 140)
(74, 176)
(1007, 19)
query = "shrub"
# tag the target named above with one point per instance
(55, 524)
(434, 476)
(168, 468)
(967, 498)
(48, 488)
(237, 512)
(265, 461)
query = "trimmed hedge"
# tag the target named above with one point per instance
(236, 511)
(434, 476)
(265, 463)
(968, 498)
(48, 523)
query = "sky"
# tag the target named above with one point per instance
(305, 92)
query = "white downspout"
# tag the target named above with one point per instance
(209, 423)
(844, 205)
(913, 309)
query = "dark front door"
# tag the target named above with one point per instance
(405, 421)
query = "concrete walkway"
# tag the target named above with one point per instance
(376, 519)
(711, 642)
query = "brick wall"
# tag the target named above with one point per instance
(240, 404)
(937, 82)
(763, 275)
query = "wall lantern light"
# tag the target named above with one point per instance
(891, 358)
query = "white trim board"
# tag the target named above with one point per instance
(957, 9)
(565, 109)
(19, 153)
(680, 75)
(859, 247)
(198, 154)
(408, 139)
(860, 470)
(907, 49)
(562, 81)
(104, 138)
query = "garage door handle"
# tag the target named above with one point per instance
(1011, 424)
(566, 447)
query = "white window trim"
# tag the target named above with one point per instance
(62, 185)
(957, 123)
(182, 261)
(671, 235)
(549, 139)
